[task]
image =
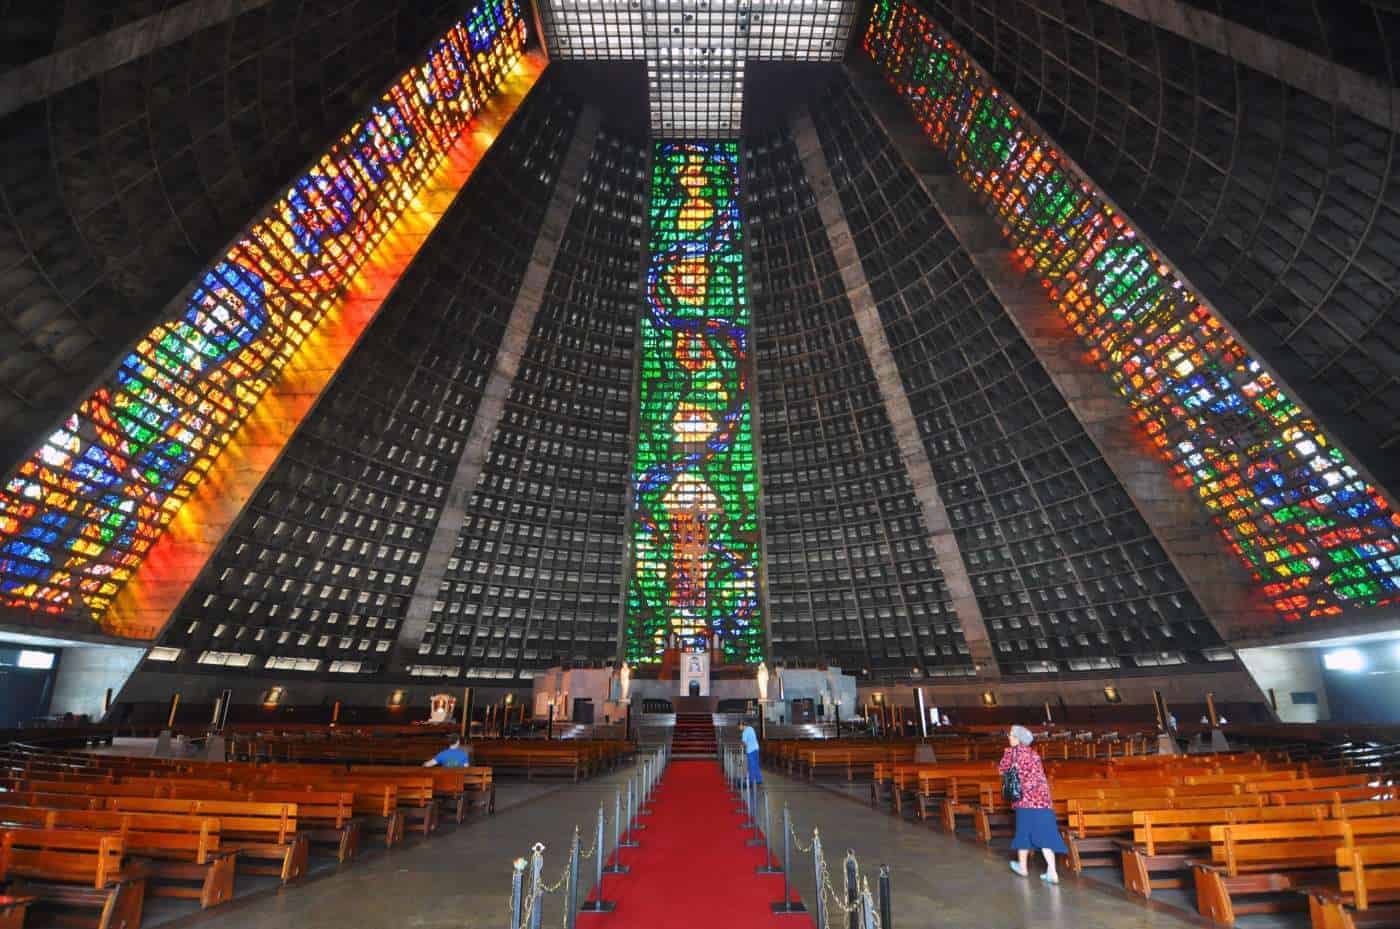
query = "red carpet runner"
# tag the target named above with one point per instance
(693, 870)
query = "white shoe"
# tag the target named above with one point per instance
(1017, 869)
(1050, 878)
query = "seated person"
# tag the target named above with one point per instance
(454, 756)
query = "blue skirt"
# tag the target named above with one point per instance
(1038, 829)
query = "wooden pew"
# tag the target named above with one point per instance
(181, 854)
(1251, 864)
(259, 831)
(1368, 895)
(1164, 842)
(75, 876)
(13, 910)
(325, 817)
(454, 788)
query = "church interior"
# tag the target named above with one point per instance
(656, 464)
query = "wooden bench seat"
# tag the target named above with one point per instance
(74, 876)
(183, 857)
(13, 910)
(257, 831)
(1368, 892)
(1252, 865)
(375, 803)
(326, 817)
(457, 789)
(1162, 843)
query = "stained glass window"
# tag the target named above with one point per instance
(1316, 535)
(78, 517)
(695, 523)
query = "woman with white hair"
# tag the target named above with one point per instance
(1035, 815)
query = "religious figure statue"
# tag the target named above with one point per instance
(762, 681)
(625, 675)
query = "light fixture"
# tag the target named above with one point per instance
(1111, 694)
(396, 698)
(1344, 659)
(274, 696)
(38, 661)
(989, 698)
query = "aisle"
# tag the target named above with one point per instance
(693, 870)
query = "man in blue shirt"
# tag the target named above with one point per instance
(750, 740)
(451, 757)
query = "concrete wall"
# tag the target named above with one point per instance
(1230, 685)
(1287, 671)
(149, 686)
(84, 674)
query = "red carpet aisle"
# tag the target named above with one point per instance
(693, 870)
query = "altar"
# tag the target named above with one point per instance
(688, 678)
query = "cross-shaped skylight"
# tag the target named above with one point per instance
(695, 50)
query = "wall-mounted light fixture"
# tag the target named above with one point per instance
(1111, 694)
(274, 696)
(989, 698)
(396, 698)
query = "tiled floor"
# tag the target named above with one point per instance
(942, 881)
(461, 879)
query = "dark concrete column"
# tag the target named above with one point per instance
(1181, 525)
(44, 77)
(1309, 72)
(497, 390)
(896, 401)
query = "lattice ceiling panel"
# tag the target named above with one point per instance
(696, 50)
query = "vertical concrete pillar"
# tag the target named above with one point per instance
(896, 401)
(497, 390)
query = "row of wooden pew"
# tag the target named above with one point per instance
(1247, 832)
(85, 838)
(854, 758)
(528, 758)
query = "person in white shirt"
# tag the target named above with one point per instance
(750, 740)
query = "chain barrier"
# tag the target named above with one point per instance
(528, 887)
(856, 908)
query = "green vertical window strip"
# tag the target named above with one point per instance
(695, 523)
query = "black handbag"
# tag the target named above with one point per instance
(1011, 785)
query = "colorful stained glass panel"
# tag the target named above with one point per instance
(78, 517)
(1316, 535)
(695, 525)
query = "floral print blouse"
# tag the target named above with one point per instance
(1035, 790)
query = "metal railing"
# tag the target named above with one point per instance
(861, 907)
(528, 888)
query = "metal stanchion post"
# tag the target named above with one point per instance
(617, 867)
(867, 906)
(643, 792)
(758, 824)
(743, 790)
(517, 891)
(767, 866)
(536, 886)
(628, 840)
(886, 901)
(634, 803)
(598, 904)
(852, 890)
(787, 904)
(817, 863)
(571, 914)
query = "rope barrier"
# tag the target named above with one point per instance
(858, 905)
(528, 887)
